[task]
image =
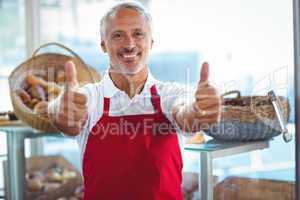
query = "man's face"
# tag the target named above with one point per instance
(127, 41)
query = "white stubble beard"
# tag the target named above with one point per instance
(122, 69)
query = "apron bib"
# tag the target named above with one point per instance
(133, 157)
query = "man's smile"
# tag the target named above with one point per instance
(129, 57)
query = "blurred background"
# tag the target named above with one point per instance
(249, 45)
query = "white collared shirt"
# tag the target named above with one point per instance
(121, 104)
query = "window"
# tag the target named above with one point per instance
(12, 53)
(12, 46)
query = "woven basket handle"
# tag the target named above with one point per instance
(237, 92)
(59, 45)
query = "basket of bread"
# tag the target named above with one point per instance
(51, 177)
(39, 80)
(249, 118)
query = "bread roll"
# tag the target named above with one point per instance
(198, 138)
(53, 175)
(26, 98)
(67, 174)
(34, 80)
(51, 186)
(32, 103)
(41, 108)
(37, 92)
(34, 185)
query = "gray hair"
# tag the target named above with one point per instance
(129, 5)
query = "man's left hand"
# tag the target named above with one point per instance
(207, 102)
(203, 111)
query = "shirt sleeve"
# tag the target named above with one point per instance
(94, 103)
(95, 109)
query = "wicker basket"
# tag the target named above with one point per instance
(248, 118)
(46, 64)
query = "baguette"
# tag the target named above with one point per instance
(34, 80)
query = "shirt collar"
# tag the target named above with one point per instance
(110, 89)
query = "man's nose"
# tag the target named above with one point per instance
(129, 42)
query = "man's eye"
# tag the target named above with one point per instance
(139, 34)
(116, 36)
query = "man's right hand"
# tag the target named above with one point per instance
(68, 112)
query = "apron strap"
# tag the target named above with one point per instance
(106, 106)
(155, 99)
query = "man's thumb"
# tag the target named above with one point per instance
(204, 75)
(71, 75)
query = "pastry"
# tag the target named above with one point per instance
(34, 184)
(48, 186)
(198, 138)
(26, 98)
(41, 108)
(37, 92)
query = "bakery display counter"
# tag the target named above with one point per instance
(16, 133)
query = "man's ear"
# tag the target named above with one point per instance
(103, 47)
(152, 41)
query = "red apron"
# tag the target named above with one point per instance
(133, 157)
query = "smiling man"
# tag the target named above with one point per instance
(129, 124)
(126, 37)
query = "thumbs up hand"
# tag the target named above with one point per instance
(207, 102)
(68, 112)
(203, 111)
